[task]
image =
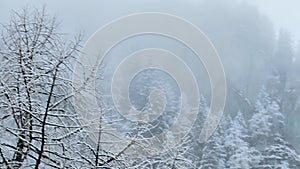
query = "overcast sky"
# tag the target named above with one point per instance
(284, 14)
(90, 15)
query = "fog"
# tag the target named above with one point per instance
(282, 14)
(259, 45)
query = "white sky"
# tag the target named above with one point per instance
(90, 15)
(283, 13)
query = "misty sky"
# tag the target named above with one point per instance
(284, 14)
(88, 16)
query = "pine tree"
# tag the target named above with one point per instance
(267, 119)
(282, 61)
(281, 155)
(238, 148)
(214, 152)
(266, 135)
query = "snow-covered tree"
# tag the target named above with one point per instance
(267, 119)
(173, 157)
(266, 135)
(214, 152)
(280, 155)
(238, 149)
(36, 113)
(40, 128)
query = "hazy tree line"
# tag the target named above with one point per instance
(254, 143)
(39, 124)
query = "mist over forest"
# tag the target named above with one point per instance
(41, 120)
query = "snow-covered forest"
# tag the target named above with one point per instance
(40, 126)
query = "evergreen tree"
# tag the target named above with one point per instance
(267, 119)
(282, 63)
(239, 151)
(281, 155)
(266, 135)
(214, 153)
